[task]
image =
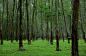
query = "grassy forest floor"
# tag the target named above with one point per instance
(40, 48)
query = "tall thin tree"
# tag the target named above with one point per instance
(75, 28)
(57, 16)
(29, 41)
(7, 20)
(1, 27)
(51, 40)
(21, 31)
(12, 21)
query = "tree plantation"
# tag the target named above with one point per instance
(42, 27)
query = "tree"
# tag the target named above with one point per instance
(21, 31)
(51, 40)
(12, 21)
(75, 28)
(7, 19)
(29, 41)
(33, 31)
(41, 21)
(1, 28)
(57, 37)
(16, 22)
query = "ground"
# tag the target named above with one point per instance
(40, 48)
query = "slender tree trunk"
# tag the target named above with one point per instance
(64, 16)
(57, 17)
(12, 21)
(29, 41)
(41, 23)
(84, 18)
(75, 28)
(51, 40)
(21, 31)
(47, 30)
(7, 20)
(17, 23)
(33, 35)
(1, 28)
(36, 21)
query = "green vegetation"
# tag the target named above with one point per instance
(40, 48)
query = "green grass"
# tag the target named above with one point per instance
(40, 48)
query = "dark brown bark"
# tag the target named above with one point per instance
(57, 33)
(12, 21)
(7, 20)
(21, 31)
(17, 23)
(1, 28)
(75, 28)
(84, 18)
(29, 41)
(51, 40)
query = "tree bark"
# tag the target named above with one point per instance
(57, 17)
(7, 20)
(33, 35)
(75, 28)
(1, 28)
(12, 21)
(51, 40)
(21, 31)
(28, 35)
(17, 23)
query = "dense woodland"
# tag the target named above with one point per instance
(46, 19)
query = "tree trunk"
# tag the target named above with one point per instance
(51, 40)
(1, 28)
(12, 21)
(17, 23)
(75, 28)
(33, 35)
(29, 41)
(7, 20)
(64, 16)
(36, 22)
(57, 17)
(21, 31)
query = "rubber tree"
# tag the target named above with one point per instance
(33, 31)
(28, 35)
(1, 27)
(7, 20)
(75, 27)
(51, 40)
(16, 22)
(21, 31)
(12, 21)
(57, 16)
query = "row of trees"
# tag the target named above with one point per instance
(33, 19)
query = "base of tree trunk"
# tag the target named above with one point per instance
(21, 50)
(58, 50)
(16, 40)
(68, 41)
(1, 43)
(85, 40)
(29, 42)
(11, 41)
(51, 43)
(36, 38)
